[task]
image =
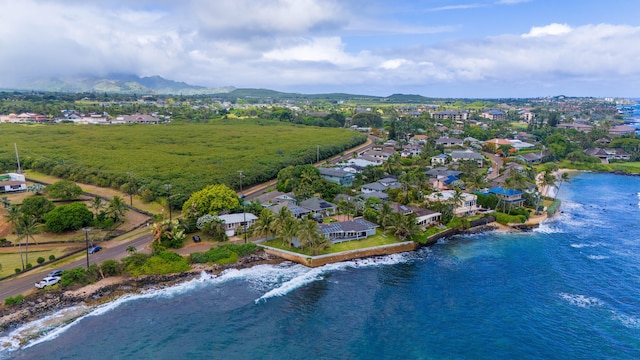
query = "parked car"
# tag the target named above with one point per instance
(55, 273)
(196, 238)
(48, 281)
(95, 249)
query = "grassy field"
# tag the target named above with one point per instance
(187, 155)
(10, 258)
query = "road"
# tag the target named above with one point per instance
(115, 250)
(496, 164)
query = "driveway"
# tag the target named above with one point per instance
(496, 164)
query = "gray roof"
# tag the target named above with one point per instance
(352, 225)
(446, 140)
(375, 186)
(377, 194)
(442, 172)
(297, 211)
(466, 154)
(317, 204)
(334, 172)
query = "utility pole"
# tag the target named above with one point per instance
(168, 187)
(15, 146)
(244, 214)
(317, 154)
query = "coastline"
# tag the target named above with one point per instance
(43, 303)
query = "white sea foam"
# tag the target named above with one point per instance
(584, 245)
(597, 257)
(581, 300)
(318, 273)
(632, 322)
(548, 227)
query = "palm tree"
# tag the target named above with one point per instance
(457, 199)
(548, 180)
(308, 233)
(477, 182)
(116, 209)
(384, 218)
(280, 221)
(28, 226)
(404, 226)
(318, 243)
(516, 180)
(290, 230)
(131, 250)
(96, 204)
(563, 178)
(264, 224)
(13, 217)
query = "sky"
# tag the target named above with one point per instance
(435, 48)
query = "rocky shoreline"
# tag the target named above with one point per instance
(40, 304)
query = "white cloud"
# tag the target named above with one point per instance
(551, 29)
(511, 2)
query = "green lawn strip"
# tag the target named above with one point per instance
(11, 260)
(372, 241)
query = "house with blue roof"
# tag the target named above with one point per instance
(510, 197)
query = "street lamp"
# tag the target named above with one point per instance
(86, 239)
(244, 214)
(168, 187)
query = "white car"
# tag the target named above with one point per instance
(48, 281)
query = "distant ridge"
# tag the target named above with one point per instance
(119, 83)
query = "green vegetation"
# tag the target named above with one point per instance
(189, 156)
(376, 240)
(165, 262)
(14, 300)
(505, 219)
(224, 254)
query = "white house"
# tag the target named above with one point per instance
(234, 221)
(466, 207)
(12, 182)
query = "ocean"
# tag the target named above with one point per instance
(631, 115)
(566, 290)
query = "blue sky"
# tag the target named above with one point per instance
(437, 48)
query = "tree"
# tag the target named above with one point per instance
(36, 188)
(131, 250)
(28, 226)
(563, 178)
(477, 182)
(384, 218)
(309, 234)
(64, 190)
(548, 181)
(168, 234)
(280, 222)
(211, 200)
(96, 204)
(68, 217)
(263, 226)
(36, 206)
(116, 209)
(403, 226)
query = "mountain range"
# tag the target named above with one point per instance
(119, 83)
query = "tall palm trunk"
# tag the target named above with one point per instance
(20, 249)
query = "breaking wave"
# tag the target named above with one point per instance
(581, 300)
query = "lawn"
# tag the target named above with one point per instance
(377, 240)
(10, 260)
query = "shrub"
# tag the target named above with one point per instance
(17, 270)
(40, 260)
(28, 266)
(505, 219)
(14, 300)
(74, 275)
(111, 268)
(52, 257)
(164, 262)
(225, 254)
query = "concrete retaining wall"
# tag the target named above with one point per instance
(315, 261)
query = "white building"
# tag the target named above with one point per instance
(12, 182)
(234, 221)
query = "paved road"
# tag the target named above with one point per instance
(496, 164)
(115, 250)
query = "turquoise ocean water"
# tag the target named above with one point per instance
(567, 290)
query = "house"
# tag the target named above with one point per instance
(418, 139)
(319, 207)
(605, 155)
(451, 114)
(519, 144)
(232, 222)
(441, 173)
(439, 160)
(275, 197)
(426, 217)
(533, 158)
(576, 126)
(411, 150)
(137, 119)
(621, 130)
(467, 155)
(466, 207)
(493, 114)
(498, 142)
(526, 116)
(507, 196)
(348, 230)
(381, 185)
(449, 142)
(337, 176)
(12, 182)
(364, 161)
(376, 194)
(297, 211)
